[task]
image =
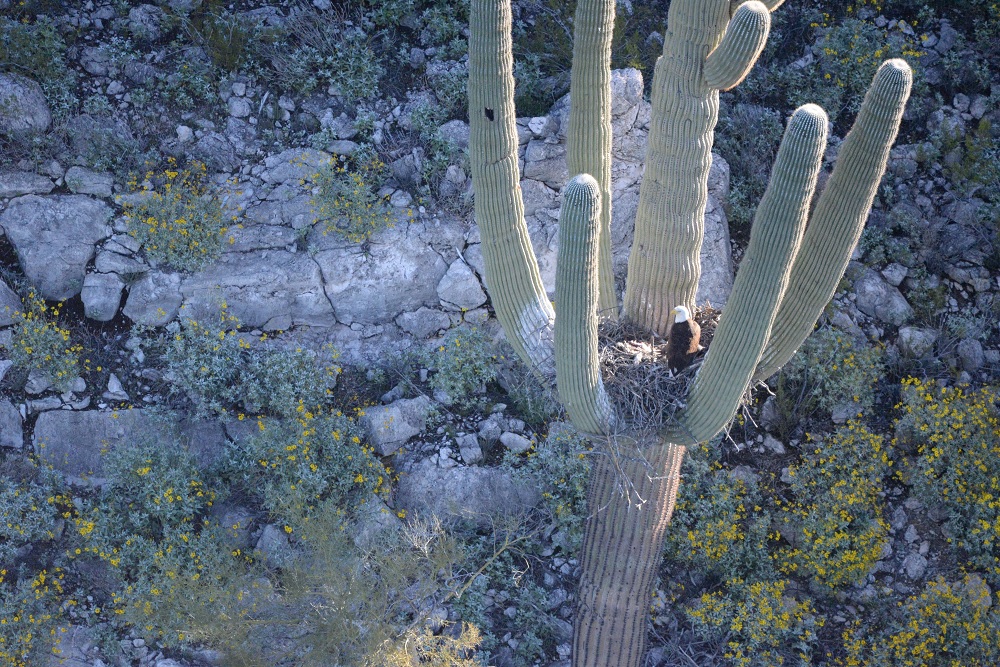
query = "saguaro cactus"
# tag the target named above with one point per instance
(791, 269)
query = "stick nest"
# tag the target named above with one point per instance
(643, 391)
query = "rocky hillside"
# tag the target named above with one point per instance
(255, 408)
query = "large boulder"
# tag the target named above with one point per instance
(477, 495)
(877, 298)
(22, 105)
(54, 238)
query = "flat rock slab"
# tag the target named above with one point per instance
(478, 495)
(54, 238)
(388, 427)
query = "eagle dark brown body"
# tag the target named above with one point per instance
(683, 341)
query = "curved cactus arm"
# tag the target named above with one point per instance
(512, 276)
(770, 4)
(763, 278)
(840, 214)
(664, 265)
(740, 47)
(588, 140)
(578, 374)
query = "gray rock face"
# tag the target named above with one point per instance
(915, 342)
(398, 273)
(10, 303)
(22, 105)
(971, 355)
(459, 289)
(10, 426)
(261, 288)
(54, 238)
(86, 182)
(880, 300)
(463, 493)
(17, 183)
(72, 442)
(423, 322)
(717, 270)
(155, 299)
(388, 427)
(101, 295)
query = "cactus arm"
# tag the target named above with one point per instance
(763, 278)
(840, 214)
(740, 47)
(663, 265)
(578, 374)
(770, 4)
(513, 280)
(588, 140)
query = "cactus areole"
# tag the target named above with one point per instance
(790, 271)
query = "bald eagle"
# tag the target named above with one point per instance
(683, 341)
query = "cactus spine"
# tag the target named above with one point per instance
(790, 271)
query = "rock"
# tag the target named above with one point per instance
(73, 442)
(894, 274)
(515, 442)
(86, 182)
(115, 390)
(971, 355)
(455, 132)
(397, 274)
(465, 493)
(546, 162)
(468, 447)
(70, 647)
(372, 521)
(10, 303)
(459, 289)
(22, 105)
(5, 365)
(844, 411)
(10, 426)
(717, 270)
(423, 322)
(400, 199)
(911, 535)
(260, 287)
(144, 22)
(294, 165)
(55, 238)
(274, 546)
(154, 299)
(880, 300)
(914, 565)
(38, 382)
(95, 60)
(17, 183)
(916, 342)
(388, 427)
(101, 295)
(239, 107)
(774, 445)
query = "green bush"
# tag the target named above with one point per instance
(347, 199)
(949, 624)
(757, 624)
(956, 432)
(29, 613)
(299, 467)
(833, 519)
(40, 344)
(220, 371)
(37, 50)
(175, 217)
(28, 507)
(464, 361)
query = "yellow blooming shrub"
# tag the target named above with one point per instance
(176, 217)
(949, 624)
(28, 617)
(956, 433)
(40, 344)
(347, 196)
(833, 521)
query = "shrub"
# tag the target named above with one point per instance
(298, 467)
(464, 361)
(37, 50)
(347, 198)
(175, 217)
(28, 507)
(221, 371)
(719, 527)
(949, 624)
(833, 519)
(957, 436)
(28, 617)
(559, 466)
(757, 624)
(831, 370)
(424, 648)
(40, 344)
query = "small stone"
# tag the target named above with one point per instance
(911, 535)
(468, 447)
(115, 390)
(239, 107)
(184, 134)
(915, 565)
(239, 88)
(514, 442)
(774, 444)
(401, 199)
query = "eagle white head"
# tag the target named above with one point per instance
(681, 314)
